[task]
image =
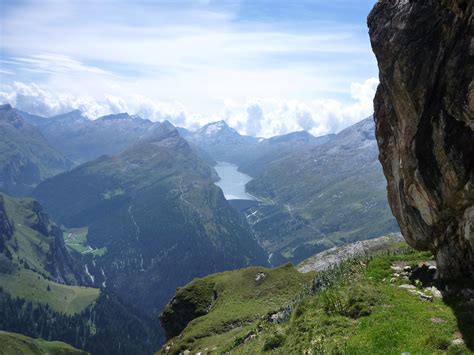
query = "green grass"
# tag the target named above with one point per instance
(76, 239)
(360, 311)
(13, 343)
(239, 306)
(33, 287)
(363, 313)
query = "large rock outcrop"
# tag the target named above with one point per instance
(424, 109)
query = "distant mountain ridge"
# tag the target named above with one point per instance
(289, 223)
(251, 154)
(326, 195)
(82, 139)
(26, 157)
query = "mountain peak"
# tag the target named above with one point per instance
(292, 136)
(162, 131)
(167, 125)
(5, 107)
(215, 127)
(72, 115)
(9, 115)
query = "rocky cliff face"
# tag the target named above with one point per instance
(424, 114)
(6, 227)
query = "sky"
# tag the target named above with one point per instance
(267, 67)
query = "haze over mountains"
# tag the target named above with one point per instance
(138, 203)
(150, 206)
(26, 157)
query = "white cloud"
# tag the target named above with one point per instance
(254, 119)
(270, 117)
(54, 63)
(187, 51)
(257, 116)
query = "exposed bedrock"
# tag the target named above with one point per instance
(424, 109)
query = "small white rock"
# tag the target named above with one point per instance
(435, 292)
(458, 341)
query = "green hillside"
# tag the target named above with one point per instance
(16, 344)
(358, 307)
(34, 262)
(26, 158)
(29, 241)
(61, 298)
(43, 292)
(146, 209)
(219, 309)
(107, 326)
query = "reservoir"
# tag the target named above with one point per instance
(232, 182)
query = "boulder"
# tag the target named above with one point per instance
(424, 117)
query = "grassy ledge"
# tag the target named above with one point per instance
(35, 288)
(233, 303)
(364, 311)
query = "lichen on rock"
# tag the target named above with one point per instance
(424, 115)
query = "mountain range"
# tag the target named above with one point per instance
(327, 195)
(81, 139)
(149, 206)
(26, 156)
(138, 196)
(313, 192)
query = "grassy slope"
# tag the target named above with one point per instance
(28, 245)
(393, 321)
(62, 298)
(29, 277)
(241, 303)
(361, 311)
(12, 343)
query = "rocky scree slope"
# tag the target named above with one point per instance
(424, 114)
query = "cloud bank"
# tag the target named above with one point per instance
(182, 59)
(264, 117)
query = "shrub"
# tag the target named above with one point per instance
(437, 342)
(353, 302)
(273, 342)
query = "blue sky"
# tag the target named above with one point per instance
(303, 64)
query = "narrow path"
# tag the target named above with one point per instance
(181, 196)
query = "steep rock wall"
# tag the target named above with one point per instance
(424, 109)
